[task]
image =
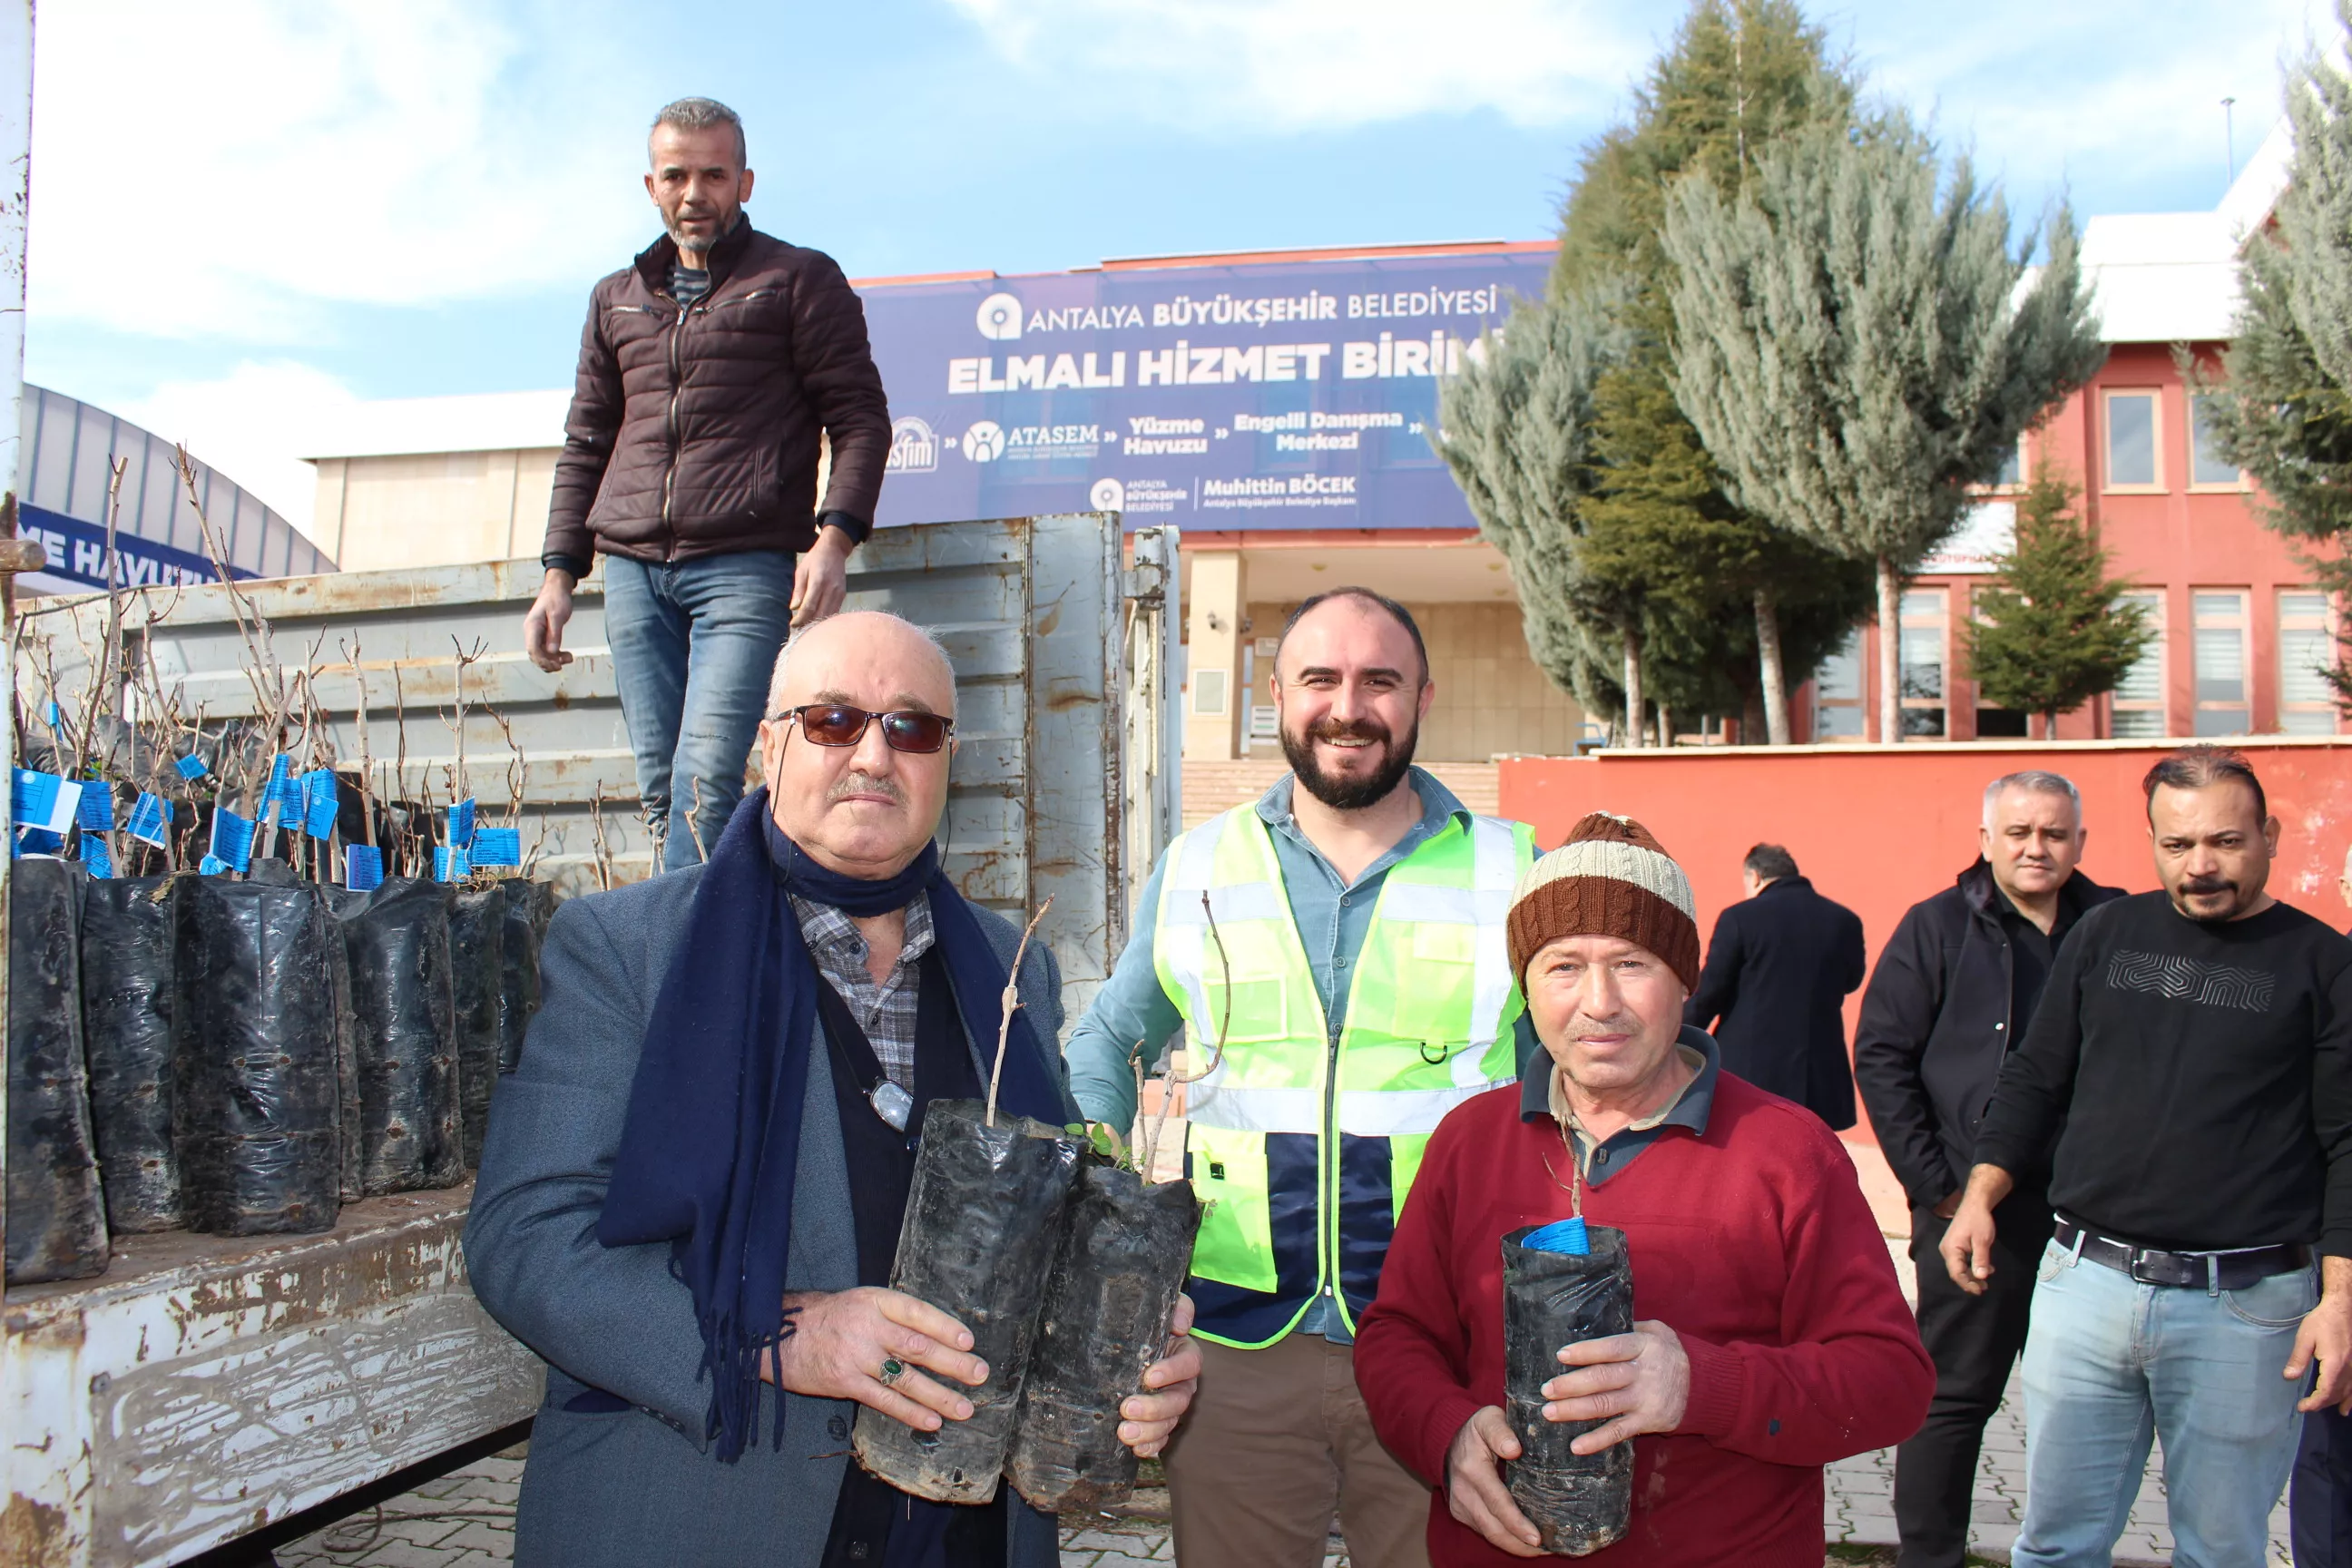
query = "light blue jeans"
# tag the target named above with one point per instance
(2111, 1364)
(694, 643)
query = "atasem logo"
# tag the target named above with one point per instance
(985, 442)
(914, 447)
(1000, 318)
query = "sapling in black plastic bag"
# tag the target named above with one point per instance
(1579, 1503)
(259, 1118)
(1125, 1256)
(56, 1212)
(983, 1223)
(126, 1004)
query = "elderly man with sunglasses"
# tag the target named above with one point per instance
(703, 1268)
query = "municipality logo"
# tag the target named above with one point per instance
(914, 448)
(1000, 318)
(1108, 495)
(985, 442)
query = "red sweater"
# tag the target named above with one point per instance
(1753, 1243)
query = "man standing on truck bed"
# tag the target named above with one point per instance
(708, 369)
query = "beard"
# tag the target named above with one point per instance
(1349, 794)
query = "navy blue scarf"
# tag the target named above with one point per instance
(711, 1144)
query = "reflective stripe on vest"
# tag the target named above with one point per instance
(1430, 1009)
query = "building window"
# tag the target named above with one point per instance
(2131, 441)
(1837, 692)
(1209, 696)
(2306, 647)
(2012, 469)
(1925, 618)
(2208, 469)
(2220, 616)
(2139, 705)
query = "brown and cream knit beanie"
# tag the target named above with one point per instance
(1610, 878)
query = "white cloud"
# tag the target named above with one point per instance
(2099, 95)
(250, 425)
(1307, 65)
(237, 169)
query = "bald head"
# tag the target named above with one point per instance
(869, 651)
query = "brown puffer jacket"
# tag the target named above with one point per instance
(695, 432)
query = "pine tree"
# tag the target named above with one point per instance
(2284, 412)
(1850, 344)
(2051, 631)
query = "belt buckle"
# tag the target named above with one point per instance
(2132, 1267)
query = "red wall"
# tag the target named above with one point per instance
(1879, 828)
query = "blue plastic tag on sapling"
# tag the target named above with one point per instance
(1568, 1236)
(148, 820)
(232, 841)
(191, 767)
(496, 846)
(320, 803)
(363, 867)
(211, 866)
(97, 858)
(461, 824)
(96, 810)
(43, 800)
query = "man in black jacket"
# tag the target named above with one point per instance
(1953, 992)
(709, 370)
(1778, 969)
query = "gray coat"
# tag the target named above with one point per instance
(636, 1487)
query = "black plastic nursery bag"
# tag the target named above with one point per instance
(259, 1117)
(1579, 1503)
(405, 1037)
(56, 1212)
(1124, 1256)
(984, 1224)
(126, 1008)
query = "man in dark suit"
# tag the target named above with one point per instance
(705, 1278)
(1778, 969)
(1954, 989)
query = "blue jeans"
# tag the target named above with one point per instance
(2110, 1364)
(694, 643)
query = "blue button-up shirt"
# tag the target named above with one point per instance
(1331, 915)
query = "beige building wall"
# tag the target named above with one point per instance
(441, 509)
(1492, 700)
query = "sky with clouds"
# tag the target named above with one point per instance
(248, 212)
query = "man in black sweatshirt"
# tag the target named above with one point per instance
(2192, 1060)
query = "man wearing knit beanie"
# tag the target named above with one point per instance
(1771, 1337)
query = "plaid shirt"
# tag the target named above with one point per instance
(885, 1011)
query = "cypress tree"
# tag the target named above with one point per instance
(2051, 631)
(1739, 611)
(2284, 412)
(1850, 345)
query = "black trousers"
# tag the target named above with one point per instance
(2319, 1505)
(1973, 1340)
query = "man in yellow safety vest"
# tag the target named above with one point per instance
(1337, 950)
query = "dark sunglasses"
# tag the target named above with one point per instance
(837, 724)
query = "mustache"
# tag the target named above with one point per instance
(2208, 885)
(1329, 728)
(856, 783)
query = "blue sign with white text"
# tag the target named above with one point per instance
(1254, 395)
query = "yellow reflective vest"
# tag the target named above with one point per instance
(1304, 1145)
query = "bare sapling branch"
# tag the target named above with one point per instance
(1172, 1081)
(367, 791)
(1009, 1004)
